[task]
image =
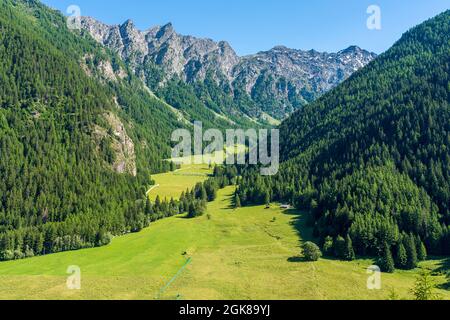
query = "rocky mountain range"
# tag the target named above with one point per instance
(277, 81)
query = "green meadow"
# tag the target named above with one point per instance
(172, 184)
(248, 253)
(193, 169)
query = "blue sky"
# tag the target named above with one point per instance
(256, 25)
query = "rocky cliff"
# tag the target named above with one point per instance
(278, 81)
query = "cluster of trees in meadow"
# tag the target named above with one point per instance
(93, 230)
(194, 201)
(370, 160)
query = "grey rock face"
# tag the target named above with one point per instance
(121, 144)
(280, 72)
(307, 73)
(183, 56)
(320, 71)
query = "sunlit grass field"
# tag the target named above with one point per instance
(248, 253)
(172, 184)
(193, 169)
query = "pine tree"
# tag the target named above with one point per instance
(157, 203)
(401, 257)
(386, 261)
(237, 201)
(148, 207)
(191, 211)
(411, 253)
(424, 288)
(203, 194)
(421, 250)
(340, 247)
(349, 252)
(267, 198)
(328, 246)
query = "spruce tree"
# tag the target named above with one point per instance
(349, 252)
(148, 207)
(191, 211)
(424, 288)
(340, 248)
(237, 201)
(266, 198)
(401, 257)
(157, 203)
(203, 194)
(328, 246)
(386, 261)
(421, 250)
(411, 252)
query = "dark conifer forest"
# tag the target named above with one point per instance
(58, 190)
(370, 160)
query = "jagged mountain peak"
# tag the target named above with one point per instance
(280, 48)
(168, 27)
(128, 23)
(159, 32)
(352, 48)
(128, 29)
(303, 74)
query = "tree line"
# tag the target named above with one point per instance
(81, 231)
(58, 190)
(370, 160)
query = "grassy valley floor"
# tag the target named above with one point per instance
(248, 253)
(172, 184)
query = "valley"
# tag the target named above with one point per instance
(248, 253)
(172, 184)
(90, 116)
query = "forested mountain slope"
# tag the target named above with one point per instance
(371, 159)
(79, 136)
